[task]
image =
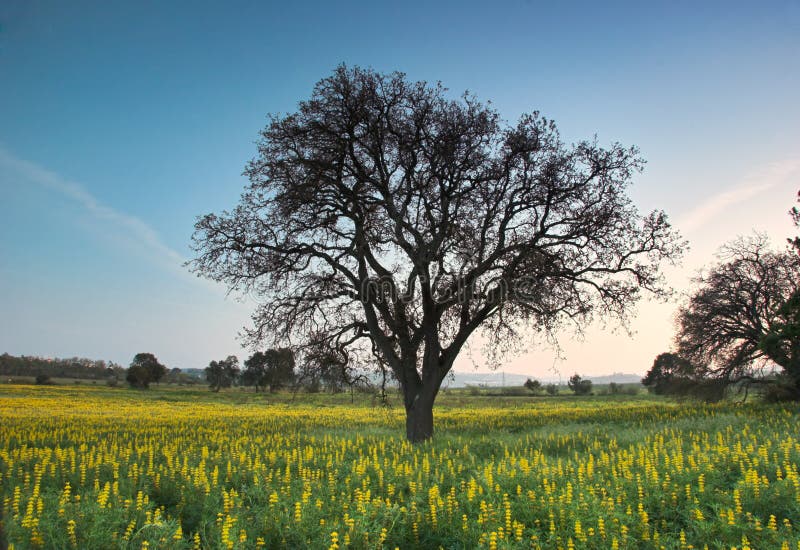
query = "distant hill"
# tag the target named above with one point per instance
(498, 378)
(196, 373)
(491, 379)
(617, 377)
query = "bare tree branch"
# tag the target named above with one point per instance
(382, 209)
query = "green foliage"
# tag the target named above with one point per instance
(670, 374)
(138, 377)
(781, 389)
(145, 370)
(673, 375)
(615, 388)
(551, 389)
(782, 341)
(223, 373)
(177, 376)
(579, 386)
(533, 385)
(273, 368)
(74, 367)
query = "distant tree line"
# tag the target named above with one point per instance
(143, 370)
(73, 367)
(274, 369)
(270, 370)
(582, 386)
(576, 384)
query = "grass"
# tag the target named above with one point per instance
(98, 467)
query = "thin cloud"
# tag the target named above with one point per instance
(133, 228)
(772, 176)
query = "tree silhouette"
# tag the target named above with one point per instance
(385, 217)
(740, 319)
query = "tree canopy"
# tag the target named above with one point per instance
(385, 217)
(533, 385)
(272, 368)
(144, 370)
(579, 385)
(669, 374)
(74, 367)
(223, 373)
(739, 322)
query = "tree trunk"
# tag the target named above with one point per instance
(419, 419)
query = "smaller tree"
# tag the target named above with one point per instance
(551, 389)
(222, 374)
(255, 371)
(670, 374)
(533, 385)
(145, 369)
(273, 368)
(137, 377)
(579, 386)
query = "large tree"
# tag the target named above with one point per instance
(386, 216)
(733, 328)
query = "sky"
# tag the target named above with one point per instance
(121, 122)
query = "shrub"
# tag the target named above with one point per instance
(579, 385)
(533, 385)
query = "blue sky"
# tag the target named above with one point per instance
(122, 121)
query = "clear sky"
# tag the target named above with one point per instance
(120, 122)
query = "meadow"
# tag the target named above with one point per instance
(94, 467)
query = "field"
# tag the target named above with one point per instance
(92, 467)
